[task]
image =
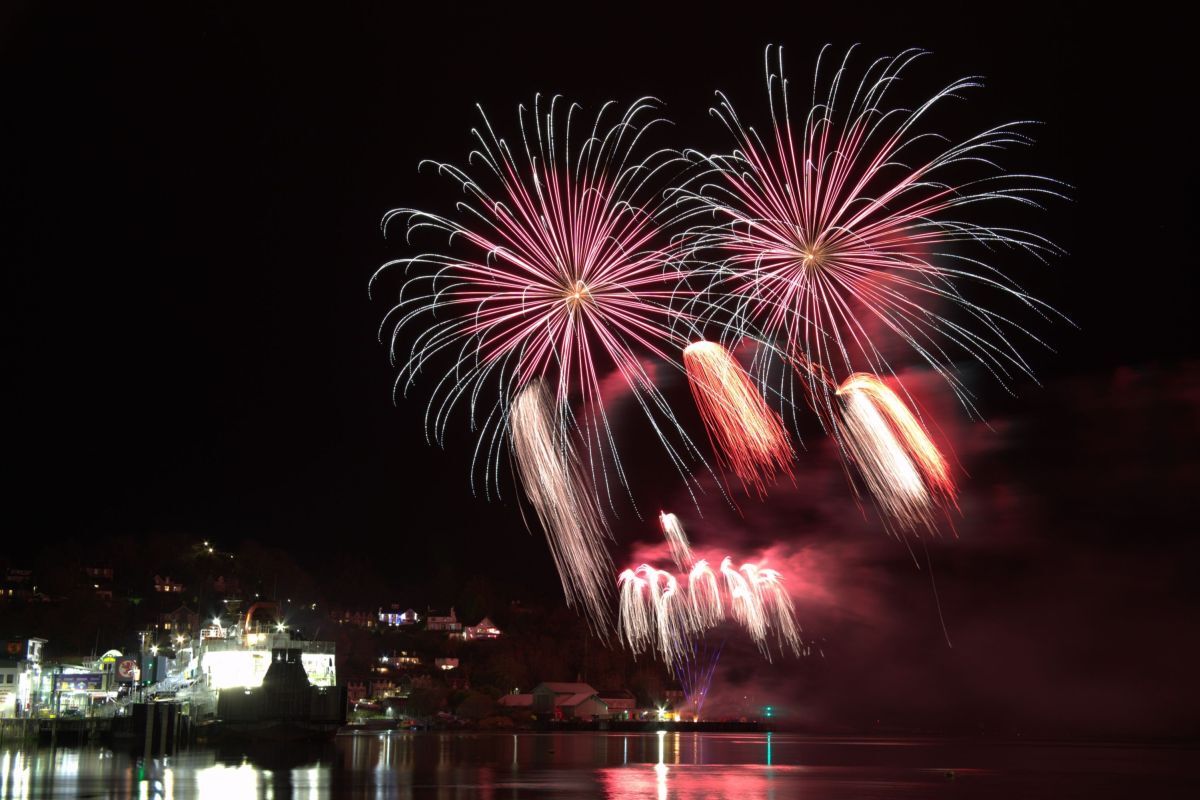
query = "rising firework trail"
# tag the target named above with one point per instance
(748, 437)
(552, 269)
(695, 673)
(899, 463)
(559, 492)
(848, 218)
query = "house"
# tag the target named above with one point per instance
(394, 617)
(516, 701)
(486, 629)
(621, 702)
(180, 622)
(448, 623)
(577, 701)
(165, 584)
(402, 659)
(17, 585)
(20, 675)
(355, 691)
(354, 619)
(99, 580)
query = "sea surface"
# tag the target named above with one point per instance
(620, 766)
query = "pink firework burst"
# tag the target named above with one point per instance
(554, 270)
(856, 221)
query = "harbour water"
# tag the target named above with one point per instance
(685, 766)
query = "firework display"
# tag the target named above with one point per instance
(850, 222)
(747, 435)
(553, 269)
(823, 248)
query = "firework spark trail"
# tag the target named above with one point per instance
(552, 270)
(748, 437)
(557, 488)
(744, 600)
(856, 218)
(652, 614)
(777, 607)
(704, 596)
(671, 612)
(899, 463)
(888, 472)
(912, 434)
(636, 624)
(677, 541)
(659, 612)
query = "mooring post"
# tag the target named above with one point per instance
(149, 736)
(162, 733)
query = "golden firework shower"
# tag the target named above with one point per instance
(900, 464)
(749, 438)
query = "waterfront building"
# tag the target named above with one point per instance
(577, 701)
(20, 676)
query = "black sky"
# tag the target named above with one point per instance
(191, 208)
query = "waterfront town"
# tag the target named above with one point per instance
(84, 642)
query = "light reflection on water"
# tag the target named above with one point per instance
(662, 766)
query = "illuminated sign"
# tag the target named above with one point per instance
(80, 682)
(127, 670)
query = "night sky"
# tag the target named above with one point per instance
(191, 214)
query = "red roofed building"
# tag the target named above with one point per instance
(568, 701)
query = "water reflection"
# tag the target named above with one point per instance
(662, 765)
